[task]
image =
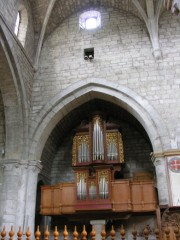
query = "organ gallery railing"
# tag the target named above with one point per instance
(123, 196)
(168, 233)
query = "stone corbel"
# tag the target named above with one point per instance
(151, 19)
(172, 5)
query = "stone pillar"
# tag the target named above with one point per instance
(33, 170)
(9, 192)
(161, 179)
(98, 227)
(15, 189)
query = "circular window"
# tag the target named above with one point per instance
(90, 20)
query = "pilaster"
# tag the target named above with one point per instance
(159, 162)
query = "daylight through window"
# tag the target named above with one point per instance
(90, 20)
(16, 29)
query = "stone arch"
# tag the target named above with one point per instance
(84, 91)
(12, 93)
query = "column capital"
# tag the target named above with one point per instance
(35, 165)
(16, 163)
(158, 156)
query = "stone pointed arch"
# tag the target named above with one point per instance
(13, 95)
(83, 91)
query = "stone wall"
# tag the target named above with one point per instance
(61, 170)
(123, 55)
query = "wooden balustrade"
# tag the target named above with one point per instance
(166, 235)
(125, 196)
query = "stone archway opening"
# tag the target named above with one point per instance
(52, 136)
(57, 153)
(83, 91)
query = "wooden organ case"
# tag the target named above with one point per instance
(97, 153)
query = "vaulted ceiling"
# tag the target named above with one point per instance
(64, 8)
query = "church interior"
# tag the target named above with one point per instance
(90, 115)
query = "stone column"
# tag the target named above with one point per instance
(161, 178)
(14, 189)
(10, 185)
(34, 168)
(98, 227)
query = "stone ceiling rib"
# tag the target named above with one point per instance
(43, 30)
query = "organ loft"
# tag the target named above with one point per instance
(99, 186)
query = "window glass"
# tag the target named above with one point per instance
(21, 24)
(16, 29)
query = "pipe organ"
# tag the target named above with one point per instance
(97, 152)
(97, 142)
(97, 156)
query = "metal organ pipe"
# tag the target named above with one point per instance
(79, 154)
(95, 142)
(98, 148)
(98, 131)
(82, 152)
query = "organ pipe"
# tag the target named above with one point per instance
(84, 141)
(98, 146)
